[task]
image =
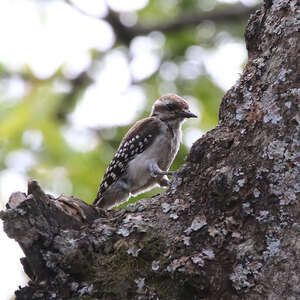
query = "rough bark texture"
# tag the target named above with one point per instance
(228, 227)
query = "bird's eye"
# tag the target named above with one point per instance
(171, 106)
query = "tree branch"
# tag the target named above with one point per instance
(232, 13)
(228, 14)
(229, 221)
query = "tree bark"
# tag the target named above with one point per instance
(227, 228)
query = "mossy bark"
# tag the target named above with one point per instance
(227, 228)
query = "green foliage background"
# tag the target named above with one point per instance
(44, 110)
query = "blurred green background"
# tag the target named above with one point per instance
(75, 75)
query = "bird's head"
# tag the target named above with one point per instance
(171, 107)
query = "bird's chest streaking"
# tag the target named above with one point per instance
(162, 151)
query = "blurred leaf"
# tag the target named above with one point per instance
(42, 104)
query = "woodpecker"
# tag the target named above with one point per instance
(145, 153)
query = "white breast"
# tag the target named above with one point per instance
(163, 151)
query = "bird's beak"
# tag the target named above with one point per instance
(187, 114)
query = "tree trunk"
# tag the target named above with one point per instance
(227, 228)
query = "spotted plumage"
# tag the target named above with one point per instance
(145, 153)
(125, 153)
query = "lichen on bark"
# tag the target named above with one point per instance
(227, 228)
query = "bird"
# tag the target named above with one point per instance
(145, 154)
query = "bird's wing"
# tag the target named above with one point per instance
(137, 139)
